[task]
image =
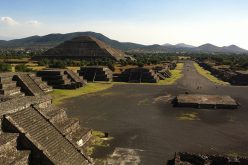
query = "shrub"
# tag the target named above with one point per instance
(4, 67)
(22, 68)
(57, 64)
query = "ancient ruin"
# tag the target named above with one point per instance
(163, 72)
(84, 48)
(96, 73)
(183, 158)
(33, 131)
(205, 101)
(225, 73)
(62, 78)
(137, 75)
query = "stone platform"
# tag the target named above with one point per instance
(205, 101)
(184, 158)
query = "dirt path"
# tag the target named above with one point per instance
(193, 81)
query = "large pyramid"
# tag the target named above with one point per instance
(84, 47)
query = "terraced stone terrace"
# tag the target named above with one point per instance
(33, 131)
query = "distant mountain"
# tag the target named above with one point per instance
(52, 40)
(234, 48)
(206, 48)
(183, 45)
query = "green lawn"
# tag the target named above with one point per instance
(175, 75)
(208, 75)
(59, 95)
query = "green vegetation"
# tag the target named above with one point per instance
(176, 74)
(60, 95)
(99, 139)
(22, 68)
(208, 75)
(235, 61)
(151, 59)
(4, 67)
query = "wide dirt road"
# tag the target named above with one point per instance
(141, 117)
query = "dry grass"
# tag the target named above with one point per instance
(59, 95)
(176, 74)
(191, 116)
(208, 75)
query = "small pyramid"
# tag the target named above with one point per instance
(83, 47)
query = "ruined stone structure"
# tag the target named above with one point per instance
(62, 78)
(33, 131)
(84, 48)
(137, 75)
(199, 159)
(163, 72)
(14, 84)
(226, 74)
(205, 101)
(96, 73)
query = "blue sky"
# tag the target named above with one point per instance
(221, 22)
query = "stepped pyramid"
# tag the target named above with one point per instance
(32, 130)
(62, 78)
(84, 48)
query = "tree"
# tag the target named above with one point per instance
(4, 67)
(22, 68)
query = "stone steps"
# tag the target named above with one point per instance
(80, 136)
(53, 114)
(75, 77)
(10, 91)
(8, 140)
(11, 84)
(5, 79)
(161, 77)
(42, 84)
(8, 152)
(28, 85)
(46, 137)
(68, 126)
(61, 78)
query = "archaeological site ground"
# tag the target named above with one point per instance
(106, 107)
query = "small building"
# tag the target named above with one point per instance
(62, 78)
(137, 75)
(96, 73)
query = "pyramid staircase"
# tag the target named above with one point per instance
(33, 131)
(42, 84)
(61, 78)
(137, 75)
(8, 152)
(8, 87)
(96, 73)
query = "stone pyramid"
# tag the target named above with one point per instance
(84, 47)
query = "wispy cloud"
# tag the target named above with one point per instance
(9, 21)
(34, 23)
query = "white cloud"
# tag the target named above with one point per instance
(34, 23)
(9, 21)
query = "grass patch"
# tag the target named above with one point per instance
(98, 140)
(188, 116)
(59, 95)
(208, 75)
(176, 74)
